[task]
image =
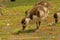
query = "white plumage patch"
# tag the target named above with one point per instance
(41, 13)
(45, 14)
(45, 9)
(45, 3)
(58, 14)
(27, 20)
(35, 18)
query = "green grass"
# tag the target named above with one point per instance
(15, 11)
(19, 3)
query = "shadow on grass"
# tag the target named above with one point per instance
(25, 31)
